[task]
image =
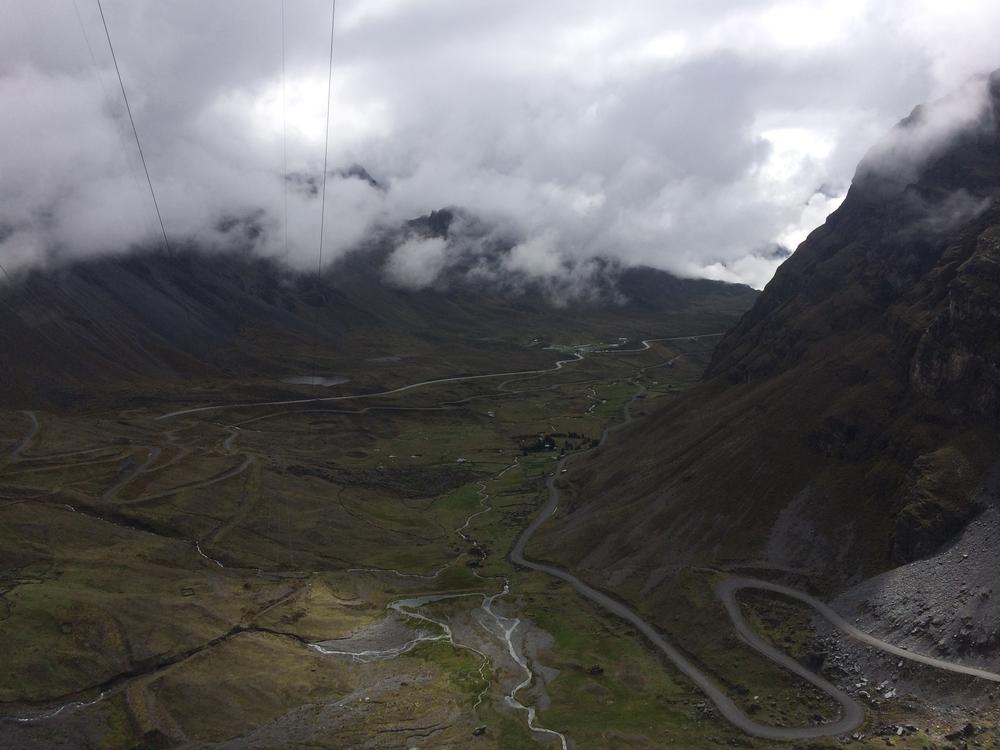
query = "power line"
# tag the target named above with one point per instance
(284, 125)
(128, 108)
(326, 150)
(119, 130)
(48, 303)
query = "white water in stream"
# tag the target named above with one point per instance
(505, 629)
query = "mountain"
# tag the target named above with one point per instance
(848, 423)
(141, 320)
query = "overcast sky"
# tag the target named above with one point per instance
(693, 137)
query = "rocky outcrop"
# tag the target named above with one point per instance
(939, 502)
(958, 357)
(913, 249)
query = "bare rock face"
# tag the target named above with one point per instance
(958, 357)
(945, 605)
(913, 250)
(941, 499)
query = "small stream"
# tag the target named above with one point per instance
(505, 630)
(508, 626)
(63, 709)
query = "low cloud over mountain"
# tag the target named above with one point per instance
(656, 133)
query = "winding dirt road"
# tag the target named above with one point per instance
(728, 588)
(25, 442)
(201, 484)
(852, 713)
(646, 342)
(356, 396)
(126, 478)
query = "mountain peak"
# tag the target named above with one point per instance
(918, 203)
(947, 145)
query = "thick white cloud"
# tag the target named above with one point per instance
(690, 136)
(417, 262)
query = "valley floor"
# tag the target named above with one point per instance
(328, 566)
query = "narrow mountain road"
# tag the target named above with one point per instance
(227, 444)
(646, 343)
(224, 476)
(354, 397)
(852, 713)
(250, 499)
(437, 381)
(729, 587)
(125, 479)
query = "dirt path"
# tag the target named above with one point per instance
(229, 474)
(25, 442)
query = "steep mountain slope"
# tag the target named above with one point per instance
(148, 318)
(848, 422)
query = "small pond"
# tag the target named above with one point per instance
(323, 381)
